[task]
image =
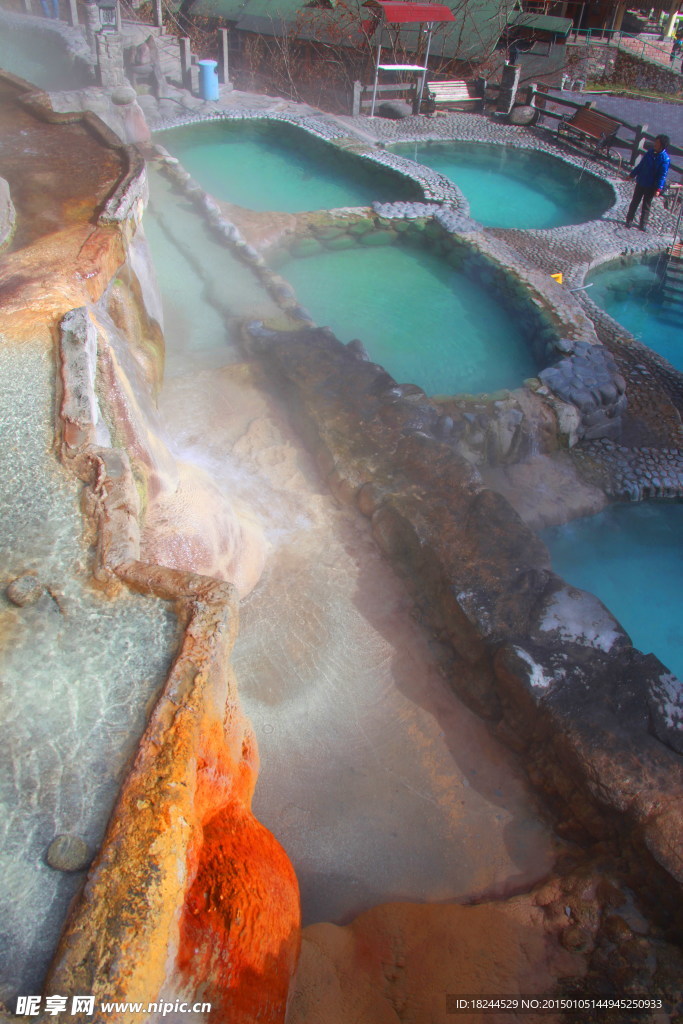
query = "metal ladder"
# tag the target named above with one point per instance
(672, 287)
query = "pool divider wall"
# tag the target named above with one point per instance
(546, 663)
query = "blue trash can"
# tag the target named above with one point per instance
(208, 79)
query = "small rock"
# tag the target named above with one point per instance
(25, 590)
(68, 853)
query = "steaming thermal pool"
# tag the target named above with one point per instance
(378, 782)
(510, 187)
(633, 296)
(275, 166)
(631, 557)
(39, 58)
(422, 320)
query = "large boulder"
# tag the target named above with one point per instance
(394, 109)
(522, 114)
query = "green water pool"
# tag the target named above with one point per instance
(633, 296)
(510, 187)
(631, 557)
(263, 165)
(423, 321)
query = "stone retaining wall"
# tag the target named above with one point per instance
(598, 722)
(637, 73)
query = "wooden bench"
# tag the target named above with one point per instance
(591, 128)
(451, 94)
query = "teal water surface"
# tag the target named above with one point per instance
(631, 557)
(633, 296)
(266, 166)
(425, 322)
(509, 187)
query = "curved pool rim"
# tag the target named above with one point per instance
(625, 261)
(601, 182)
(435, 187)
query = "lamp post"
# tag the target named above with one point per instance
(108, 15)
(109, 46)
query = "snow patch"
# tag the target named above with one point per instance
(670, 693)
(537, 677)
(581, 618)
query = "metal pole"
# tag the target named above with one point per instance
(430, 28)
(223, 35)
(379, 52)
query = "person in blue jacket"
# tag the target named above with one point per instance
(650, 174)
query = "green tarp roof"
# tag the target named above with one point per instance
(540, 22)
(477, 26)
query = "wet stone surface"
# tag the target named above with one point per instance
(49, 188)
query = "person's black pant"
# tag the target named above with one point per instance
(647, 195)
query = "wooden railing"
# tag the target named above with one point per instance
(630, 137)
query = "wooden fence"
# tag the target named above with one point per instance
(630, 137)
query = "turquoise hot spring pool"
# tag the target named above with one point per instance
(422, 320)
(265, 165)
(511, 187)
(633, 296)
(631, 557)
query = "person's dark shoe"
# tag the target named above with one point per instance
(642, 227)
(627, 223)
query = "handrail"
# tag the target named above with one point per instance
(615, 37)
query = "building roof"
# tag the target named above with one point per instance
(476, 27)
(540, 22)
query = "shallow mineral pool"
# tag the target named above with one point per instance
(631, 557)
(378, 782)
(39, 58)
(77, 673)
(633, 296)
(422, 320)
(510, 187)
(275, 166)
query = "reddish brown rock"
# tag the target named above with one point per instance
(402, 961)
